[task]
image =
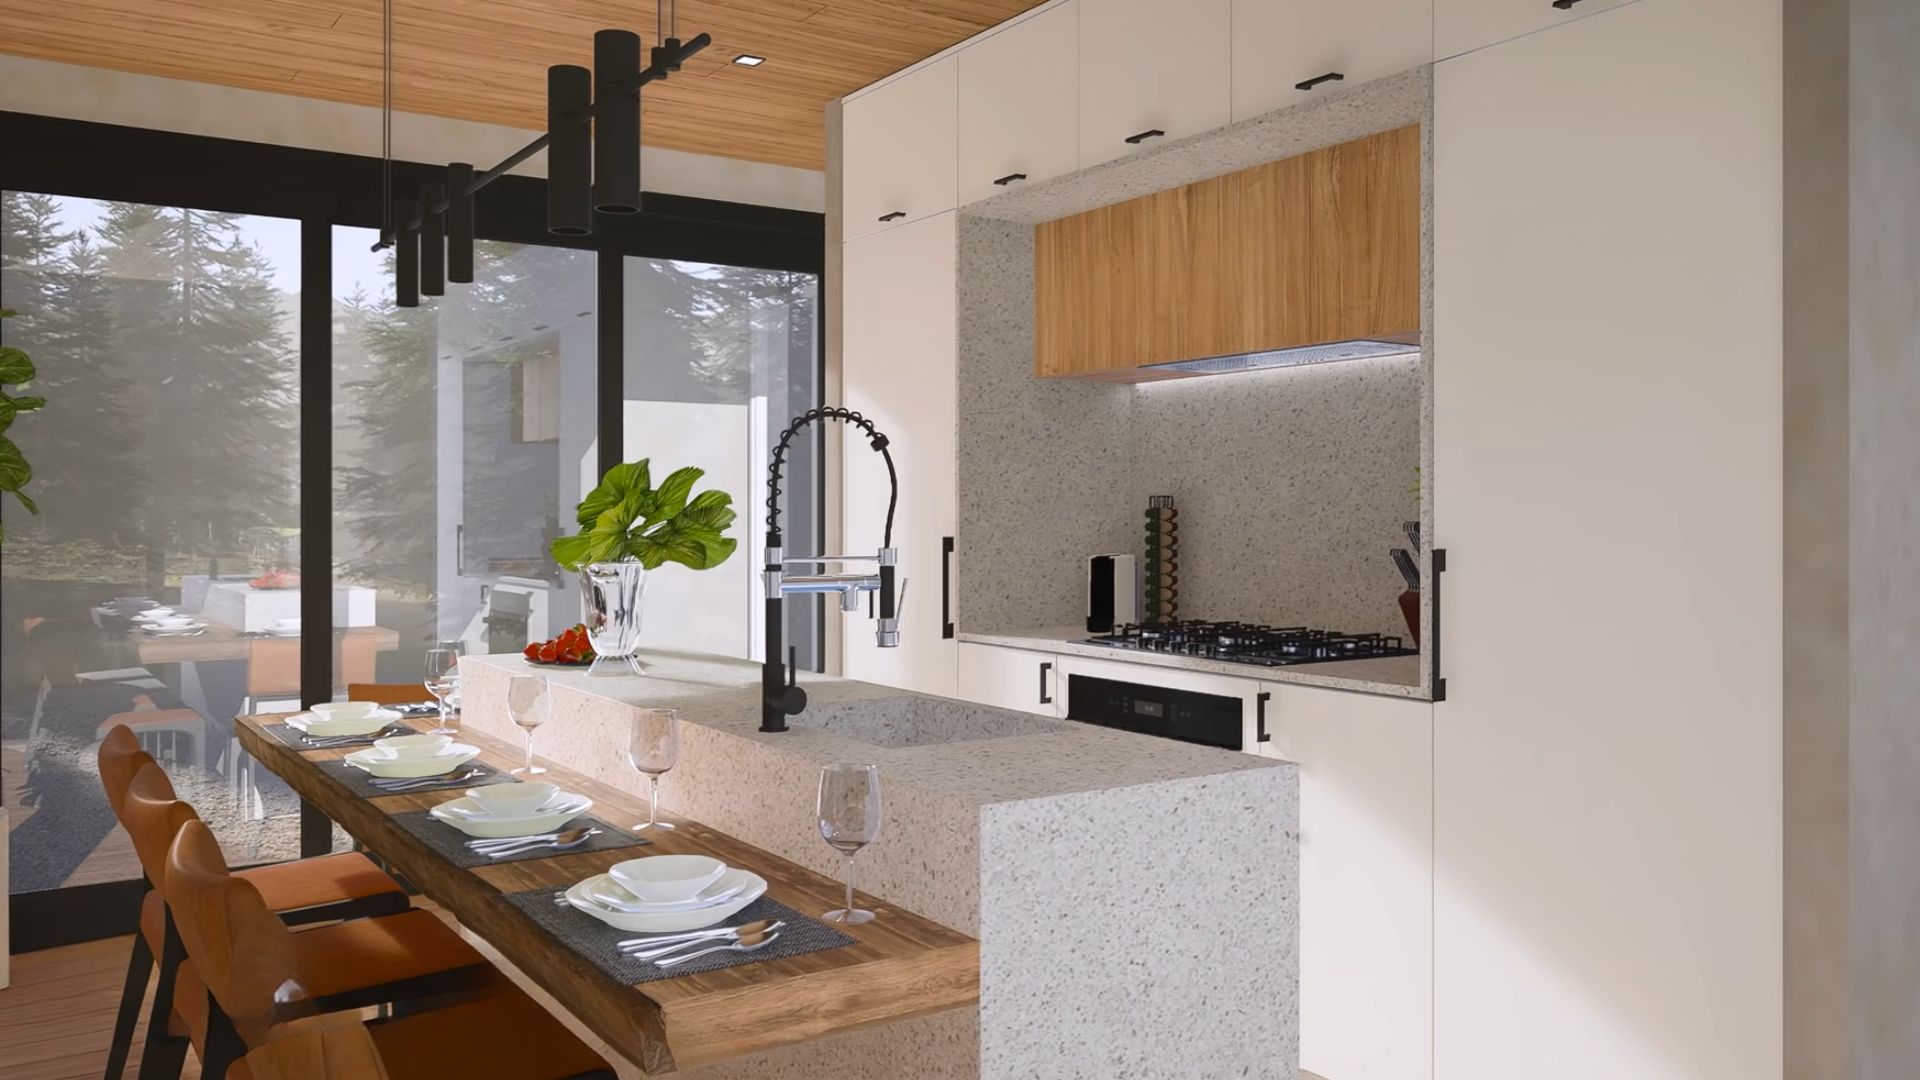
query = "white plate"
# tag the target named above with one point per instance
(154, 613)
(174, 631)
(670, 922)
(320, 726)
(612, 895)
(463, 814)
(379, 764)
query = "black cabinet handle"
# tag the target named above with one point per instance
(1565, 5)
(1439, 685)
(892, 215)
(1009, 178)
(946, 587)
(1331, 76)
(1045, 698)
(1150, 133)
(1260, 717)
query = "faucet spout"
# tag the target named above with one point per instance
(781, 695)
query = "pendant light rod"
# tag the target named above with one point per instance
(666, 59)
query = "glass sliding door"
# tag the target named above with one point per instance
(718, 360)
(463, 436)
(158, 586)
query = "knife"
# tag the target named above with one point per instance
(1408, 568)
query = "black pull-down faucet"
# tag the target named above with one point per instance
(780, 691)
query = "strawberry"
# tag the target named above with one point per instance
(549, 653)
(532, 652)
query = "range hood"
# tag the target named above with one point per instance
(1312, 259)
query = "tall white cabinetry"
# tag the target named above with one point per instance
(1280, 44)
(1019, 104)
(1151, 66)
(1607, 472)
(897, 368)
(898, 147)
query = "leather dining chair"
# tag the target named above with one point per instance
(262, 988)
(388, 693)
(346, 885)
(402, 955)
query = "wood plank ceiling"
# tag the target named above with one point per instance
(486, 60)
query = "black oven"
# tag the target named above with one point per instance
(1186, 715)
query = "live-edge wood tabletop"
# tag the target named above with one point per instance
(900, 966)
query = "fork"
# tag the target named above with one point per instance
(556, 843)
(738, 946)
(716, 937)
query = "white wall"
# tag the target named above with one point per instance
(117, 97)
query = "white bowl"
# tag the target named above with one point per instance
(319, 724)
(667, 879)
(379, 764)
(514, 800)
(154, 613)
(172, 621)
(345, 710)
(465, 815)
(412, 747)
(753, 886)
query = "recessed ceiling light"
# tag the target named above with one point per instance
(749, 60)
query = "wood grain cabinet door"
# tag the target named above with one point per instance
(1319, 248)
(1020, 105)
(898, 152)
(1147, 66)
(1279, 45)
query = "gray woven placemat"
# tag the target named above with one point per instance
(297, 739)
(355, 780)
(596, 941)
(451, 844)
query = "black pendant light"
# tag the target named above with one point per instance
(433, 239)
(406, 255)
(616, 122)
(569, 150)
(459, 223)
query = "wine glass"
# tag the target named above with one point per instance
(849, 820)
(653, 747)
(529, 704)
(443, 678)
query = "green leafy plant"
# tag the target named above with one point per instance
(627, 517)
(15, 368)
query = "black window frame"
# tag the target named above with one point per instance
(322, 189)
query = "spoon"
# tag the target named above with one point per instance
(567, 839)
(649, 949)
(745, 944)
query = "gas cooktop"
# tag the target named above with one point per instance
(1249, 643)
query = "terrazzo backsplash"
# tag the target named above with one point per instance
(1292, 484)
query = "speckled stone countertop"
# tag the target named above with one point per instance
(1070, 851)
(1396, 676)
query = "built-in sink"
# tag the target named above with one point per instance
(898, 722)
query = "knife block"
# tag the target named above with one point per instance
(1410, 611)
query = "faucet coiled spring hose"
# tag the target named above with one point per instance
(878, 441)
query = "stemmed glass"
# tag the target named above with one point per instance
(653, 747)
(443, 679)
(529, 704)
(849, 820)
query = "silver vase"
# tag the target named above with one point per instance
(610, 606)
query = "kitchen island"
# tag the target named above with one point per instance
(1135, 900)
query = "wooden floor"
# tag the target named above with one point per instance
(56, 1017)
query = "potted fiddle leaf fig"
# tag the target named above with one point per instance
(628, 527)
(15, 368)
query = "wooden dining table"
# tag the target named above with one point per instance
(900, 965)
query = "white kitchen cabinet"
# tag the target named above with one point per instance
(1246, 691)
(897, 150)
(1010, 679)
(1279, 44)
(897, 369)
(1366, 878)
(1151, 65)
(1607, 445)
(1019, 104)
(1460, 26)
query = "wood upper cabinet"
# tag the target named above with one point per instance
(1319, 248)
(1280, 44)
(1019, 104)
(1461, 26)
(898, 150)
(1151, 65)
